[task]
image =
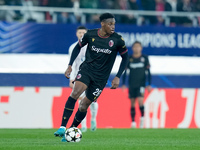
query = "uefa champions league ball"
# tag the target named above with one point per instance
(73, 134)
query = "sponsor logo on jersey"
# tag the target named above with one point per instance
(101, 50)
(136, 65)
(78, 76)
(111, 43)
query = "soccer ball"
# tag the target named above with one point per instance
(73, 134)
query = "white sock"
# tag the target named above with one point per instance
(94, 110)
(63, 127)
(133, 124)
(83, 122)
(141, 122)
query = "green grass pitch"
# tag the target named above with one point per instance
(103, 139)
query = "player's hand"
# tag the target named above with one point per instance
(149, 88)
(115, 83)
(68, 72)
(123, 87)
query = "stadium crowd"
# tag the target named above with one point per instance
(149, 5)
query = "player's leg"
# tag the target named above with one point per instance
(84, 121)
(133, 124)
(92, 93)
(141, 105)
(93, 110)
(140, 101)
(132, 99)
(80, 114)
(82, 111)
(78, 89)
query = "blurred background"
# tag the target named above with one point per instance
(35, 36)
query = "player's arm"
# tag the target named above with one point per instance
(149, 88)
(149, 77)
(124, 62)
(148, 72)
(124, 79)
(75, 53)
(124, 54)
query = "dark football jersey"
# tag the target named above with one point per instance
(138, 67)
(101, 53)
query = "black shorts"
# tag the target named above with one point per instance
(95, 86)
(136, 92)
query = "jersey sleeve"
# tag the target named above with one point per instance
(121, 46)
(128, 65)
(84, 40)
(71, 49)
(147, 67)
(147, 64)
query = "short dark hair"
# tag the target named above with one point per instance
(81, 27)
(106, 16)
(137, 42)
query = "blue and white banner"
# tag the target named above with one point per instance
(56, 38)
(157, 40)
(48, 70)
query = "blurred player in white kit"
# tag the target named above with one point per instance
(80, 31)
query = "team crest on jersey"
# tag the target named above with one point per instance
(111, 43)
(93, 39)
(78, 76)
(131, 60)
(142, 59)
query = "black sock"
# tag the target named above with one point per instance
(133, 113)
(78, 118)
(142, 110)
(68, 110)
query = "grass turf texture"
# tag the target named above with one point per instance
(103, 139)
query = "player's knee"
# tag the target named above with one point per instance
(83, 107)
(140, 101)
(75, 94)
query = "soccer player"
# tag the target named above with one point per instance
(139, 67)
(80, 31)
(103, 44)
